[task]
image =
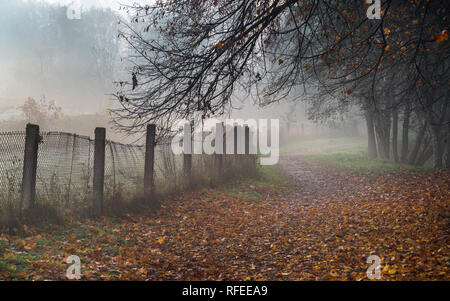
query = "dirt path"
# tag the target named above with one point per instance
(313, 181)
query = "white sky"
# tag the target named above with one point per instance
(113, 4)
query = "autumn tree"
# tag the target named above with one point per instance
(41, 112)
(193, 55)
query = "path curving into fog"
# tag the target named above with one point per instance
(313, 180)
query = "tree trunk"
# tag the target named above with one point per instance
(426, 154)
(395, 134)
(355, 128)
(415, 151)
(438, 134)
(437, 142)
(383, 130)
(372, 145)
(447, 152)
(405, 132)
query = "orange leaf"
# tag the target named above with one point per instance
(392, 271)
(443, 36)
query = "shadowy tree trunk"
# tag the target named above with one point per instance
(383, 130)
(395, 133)
(419, 139)
(372, 145)
(438, 145)
(447, 152)
(405, 132)
(427, 152)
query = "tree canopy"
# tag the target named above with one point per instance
(193, 55)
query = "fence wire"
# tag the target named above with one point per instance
(12, 146)
(65, 167)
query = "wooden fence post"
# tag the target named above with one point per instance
(187, 157)
(235, 138)
(99, 168)
(247, 147)
(247, 140)
(220, 140)
(224, 157)
(30, 165)
(149, 161)
(71, 168)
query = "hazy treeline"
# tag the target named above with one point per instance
(43, 52)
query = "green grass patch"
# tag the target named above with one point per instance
(354, 158)
(315, 142)
(16, 264)
(267, 179)
(270, 178)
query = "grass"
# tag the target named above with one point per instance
(267, 180)
(268, 176)
(354, 158)
(315, 142)
(16, 257)
(349, 157)
(22, 249)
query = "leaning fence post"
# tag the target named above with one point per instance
(187, 157)
(30, 165)
(149, 161)
(71, 168)
(99, 168)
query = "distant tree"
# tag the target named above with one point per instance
(48, 53)
(41, 112)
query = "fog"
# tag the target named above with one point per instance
(45, 53)
(67, 66)
(50, 58)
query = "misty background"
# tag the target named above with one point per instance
(60, 72)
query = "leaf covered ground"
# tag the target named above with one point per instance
(322, 227)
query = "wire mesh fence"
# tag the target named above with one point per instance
(11, 162)
(64, 172)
